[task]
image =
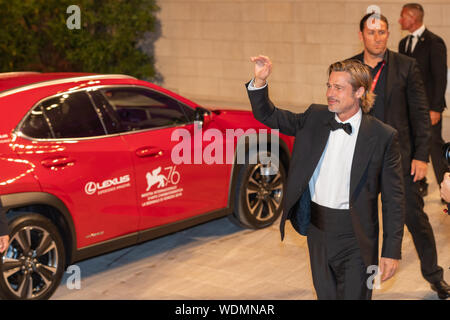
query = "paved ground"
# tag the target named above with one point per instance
(219, 260)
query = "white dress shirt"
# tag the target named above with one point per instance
(251, 87)
(416, 35)
(330, 183)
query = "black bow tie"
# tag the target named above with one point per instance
(347, 127)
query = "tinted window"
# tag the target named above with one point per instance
(35, 125)
(143, 109)
(72, 116)
(189, 112)
(109, 116)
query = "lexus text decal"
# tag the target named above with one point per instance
(108, 185)
(162, 186)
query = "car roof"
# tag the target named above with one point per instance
(12, 82)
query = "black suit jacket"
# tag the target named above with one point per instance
(406, 108)
(4, 227)
(376, 168)
(431, 55)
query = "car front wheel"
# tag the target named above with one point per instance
(33, 265)
(259, 194)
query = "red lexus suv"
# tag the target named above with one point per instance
(93, 163)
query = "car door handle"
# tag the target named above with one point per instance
(57, 162)
(149, 152)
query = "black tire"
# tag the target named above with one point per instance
(33, 265)
(259, 197)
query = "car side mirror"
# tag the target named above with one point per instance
(200, 114)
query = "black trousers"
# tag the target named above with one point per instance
(440, 165)
(338, 270)
(420, 228)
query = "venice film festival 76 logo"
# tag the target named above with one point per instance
(160, 182)
(156, 177)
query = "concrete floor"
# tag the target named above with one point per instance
(218, 260)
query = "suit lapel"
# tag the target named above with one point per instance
(402, 45)
(390, 77)
(420, 44)
(321, 139)
(321, 135)
(365, 144)
(308, 160)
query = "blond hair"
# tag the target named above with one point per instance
(360, 76)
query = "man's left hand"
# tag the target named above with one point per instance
(4, 243)
(418, 169)
(435, 117)
(445, 187)
(388, 267)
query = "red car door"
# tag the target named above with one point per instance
(92, 173)
(166, 191)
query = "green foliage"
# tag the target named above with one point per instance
(34, 36)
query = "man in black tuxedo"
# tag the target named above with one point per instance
(335, 177)
(401, 102)
(430, 52)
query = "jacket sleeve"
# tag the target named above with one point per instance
(418, 113)
(393, 200)
(438, 74)
(4, 228)
(264, 111)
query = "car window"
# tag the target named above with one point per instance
(188, 112)
(109, 116)
(138, 108)
(35, 125)
(68, 116)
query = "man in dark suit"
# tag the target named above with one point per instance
(431, 55)
(401, 102)
(335, 178)
(4, 230)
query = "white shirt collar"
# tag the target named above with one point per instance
(419, 31)
(355, 120)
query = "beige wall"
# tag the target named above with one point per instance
(205, 46)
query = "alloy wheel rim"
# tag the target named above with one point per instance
(30, 264)
(264, 191)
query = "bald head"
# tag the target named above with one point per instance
(411, 17)
(415, 10)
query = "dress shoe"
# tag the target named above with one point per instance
(442, 289)
(423, 187)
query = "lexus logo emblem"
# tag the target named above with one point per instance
(109, 184)
(90, 188)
